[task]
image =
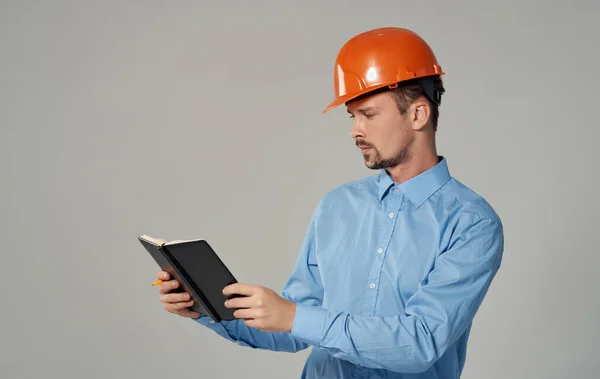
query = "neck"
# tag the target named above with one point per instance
(421, 160)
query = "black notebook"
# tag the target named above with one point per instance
(199, 271)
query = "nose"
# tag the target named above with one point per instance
(357, 130)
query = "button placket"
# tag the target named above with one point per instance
(392, 209)
(391, 205)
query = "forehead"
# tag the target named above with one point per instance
(376, 100)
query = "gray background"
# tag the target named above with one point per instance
(186, 119)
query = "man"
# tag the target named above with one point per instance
(393, 266)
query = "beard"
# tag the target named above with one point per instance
(377, 162)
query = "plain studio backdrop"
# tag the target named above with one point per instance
(189, 119)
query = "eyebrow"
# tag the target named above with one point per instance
(364, 110)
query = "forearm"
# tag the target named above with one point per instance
(400, 343)
(237, 331)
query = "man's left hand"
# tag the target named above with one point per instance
(261, 308)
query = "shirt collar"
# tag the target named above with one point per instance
(419, 188)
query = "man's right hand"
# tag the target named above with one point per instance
(174, 302)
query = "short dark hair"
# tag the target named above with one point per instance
(409, 91)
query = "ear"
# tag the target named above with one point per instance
(420, 114)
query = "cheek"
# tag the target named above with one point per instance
(387, 136)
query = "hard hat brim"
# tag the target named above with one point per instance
(344, 99)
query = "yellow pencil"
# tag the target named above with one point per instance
(157, 282)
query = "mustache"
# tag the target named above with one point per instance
(361, 143)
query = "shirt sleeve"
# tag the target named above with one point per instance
(433, 319)
(303, 287)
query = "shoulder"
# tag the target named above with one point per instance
(467, 217)
(465, 225)
(467, 203)
(357, 191)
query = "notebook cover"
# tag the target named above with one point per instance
(207, 273)
(200, 272)
(165, 262)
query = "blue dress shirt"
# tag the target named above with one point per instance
(388, 279)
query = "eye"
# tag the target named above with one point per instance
(369, 116)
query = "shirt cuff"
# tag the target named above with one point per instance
(308, 324)
(218, 327)
(205, 320)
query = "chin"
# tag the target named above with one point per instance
(371, 165)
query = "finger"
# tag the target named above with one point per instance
(240, 288)
(168, 286)
(162, 275)
(175, 307)
(175, 297)
(241, 302)
(250, 313)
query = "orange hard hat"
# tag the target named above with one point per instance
(383, 57)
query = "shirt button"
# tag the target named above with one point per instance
(372, 285)
(396, 189)
(391, 215)
(380, 250)
(212, 321)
